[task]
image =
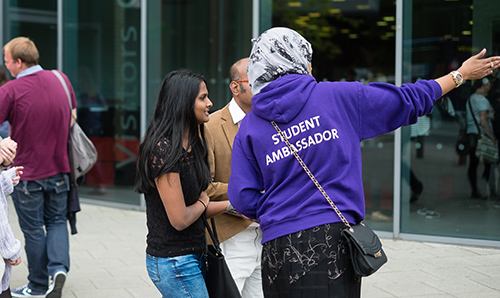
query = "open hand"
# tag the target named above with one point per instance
(476, 67)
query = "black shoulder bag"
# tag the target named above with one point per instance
(367, 255)
(219, 281)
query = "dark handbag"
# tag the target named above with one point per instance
(367, 255)
(82, 153)
(366, 250)
(486, 149)
(219, 281)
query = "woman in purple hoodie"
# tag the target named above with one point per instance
(304, 253)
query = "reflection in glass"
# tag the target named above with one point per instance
(449, 205)
(353, 40)
(102, 58)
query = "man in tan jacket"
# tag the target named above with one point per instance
(241, 238)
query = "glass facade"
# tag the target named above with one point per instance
(35, 19)
(356, 40)
(206, 37)
(116, 54)
(353, 41)
(102, 50)
(433, 46)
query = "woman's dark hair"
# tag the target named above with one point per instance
(172, 117)
(4, 78)
(479, 83)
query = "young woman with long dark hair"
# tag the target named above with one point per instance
(173, 172)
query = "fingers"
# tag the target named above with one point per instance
(7, 157)
(8, 142)
(15, 262)
(481, 54)
(9, 148)
(8, 151)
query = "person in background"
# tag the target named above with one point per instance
(480, 111)
(241, 238)
(4, 78)
(173, 174)
(10, 248)
(494, 98)
(304, 254)
(37, 108)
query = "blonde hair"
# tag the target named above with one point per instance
(23, 48)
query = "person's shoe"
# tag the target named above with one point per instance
(422, 211)
(26, 291)
(478, 196)
(432, 214)
(379, 216)
(496, 204)
(56, 285)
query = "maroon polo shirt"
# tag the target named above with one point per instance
(38, 111)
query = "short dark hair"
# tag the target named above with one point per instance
(234, 73)
(479, 83)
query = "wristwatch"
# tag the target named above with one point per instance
(458, 78)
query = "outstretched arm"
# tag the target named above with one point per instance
(473, 68)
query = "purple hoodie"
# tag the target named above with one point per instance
(325, 122)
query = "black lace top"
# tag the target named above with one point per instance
(163, 240)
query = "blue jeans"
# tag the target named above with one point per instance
(42, 203)
(178, 277)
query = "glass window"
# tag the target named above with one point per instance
(353, 40)
(206, 37)
(36, 20)
(102, 58)
(453, 195)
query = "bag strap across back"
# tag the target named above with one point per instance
(310, 174)
(63, 83)
(474, 117)
(65, 86)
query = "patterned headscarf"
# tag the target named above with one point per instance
(277, 52)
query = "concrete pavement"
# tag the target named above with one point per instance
(108, 260)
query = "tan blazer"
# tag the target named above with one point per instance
(220, 132)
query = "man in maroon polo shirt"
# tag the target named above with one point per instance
(36, 106)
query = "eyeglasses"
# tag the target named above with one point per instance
(244, 80)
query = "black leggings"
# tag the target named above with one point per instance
(474, 163)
